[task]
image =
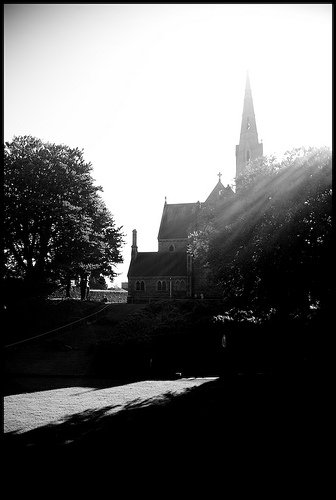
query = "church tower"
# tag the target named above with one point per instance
(248, 148)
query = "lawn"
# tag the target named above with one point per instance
(27, 411)
(30, 317)
(58, 399)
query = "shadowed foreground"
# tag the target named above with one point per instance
(236, 418)
(272, 422)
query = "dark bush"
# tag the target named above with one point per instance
(200, 338)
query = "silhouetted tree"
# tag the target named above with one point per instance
(98, 282)
(271, 247)
(56, 225)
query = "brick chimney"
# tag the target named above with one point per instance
(134, 245)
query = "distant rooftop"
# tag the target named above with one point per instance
(176, 220)
(159, 264)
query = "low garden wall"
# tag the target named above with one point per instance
(99, 295)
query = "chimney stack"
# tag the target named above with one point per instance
(134, 245)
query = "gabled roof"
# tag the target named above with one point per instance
(219, 193)
(158, 264)
(176, 220)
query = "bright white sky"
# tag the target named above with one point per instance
(154, 93)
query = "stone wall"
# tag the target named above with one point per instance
(151, 292)
(179, 245)
(113, 296)
(200, 283)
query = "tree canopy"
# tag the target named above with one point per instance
(271, 246)
(55, 221)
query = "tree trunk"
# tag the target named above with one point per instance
(83, 286)
(68, 287)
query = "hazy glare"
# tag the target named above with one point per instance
(154, 93)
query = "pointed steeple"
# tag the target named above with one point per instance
(249, 147)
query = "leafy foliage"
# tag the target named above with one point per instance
(271, 248)
(56, 224)
(98, 282)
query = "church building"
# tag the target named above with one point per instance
(169, 272)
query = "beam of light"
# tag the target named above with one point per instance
(264, 206)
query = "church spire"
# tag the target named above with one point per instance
(249, 147)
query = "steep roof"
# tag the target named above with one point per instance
(158, 264)
(176, 220)
(219, 193)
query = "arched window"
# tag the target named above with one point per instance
(164, 286)
(159, 286)
(171, 248)
(177, 285)
(248, 124)
(140, 286)
(183, 285)
(248, 155)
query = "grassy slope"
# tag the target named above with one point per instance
(66, 353)
(235, 416)
(24, 319)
